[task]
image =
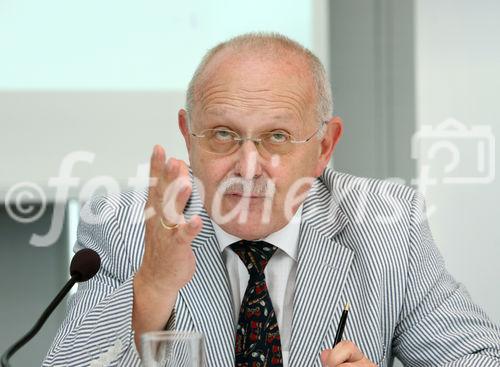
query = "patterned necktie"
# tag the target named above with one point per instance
(258, 341)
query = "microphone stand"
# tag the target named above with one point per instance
(30, 334)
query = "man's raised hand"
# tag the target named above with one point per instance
(168, 262)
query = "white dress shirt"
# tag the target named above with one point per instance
(280, 274)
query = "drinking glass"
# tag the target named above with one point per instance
(172, 349)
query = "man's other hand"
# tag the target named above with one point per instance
(345, 354)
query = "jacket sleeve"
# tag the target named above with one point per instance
(98, 330)
(439, 324)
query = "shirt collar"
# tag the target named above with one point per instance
(286, 239)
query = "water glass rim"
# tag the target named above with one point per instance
(171, 335)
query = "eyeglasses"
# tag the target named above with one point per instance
(225, 141)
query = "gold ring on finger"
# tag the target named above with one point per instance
(168, 226)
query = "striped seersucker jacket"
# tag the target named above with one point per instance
(362, 241)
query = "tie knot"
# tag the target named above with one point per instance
(254, 254)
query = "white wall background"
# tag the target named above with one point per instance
(458, 76)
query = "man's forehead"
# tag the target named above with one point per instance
(266, 87)
(220, 111)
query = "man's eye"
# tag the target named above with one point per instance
(223, 135)
(278, 137)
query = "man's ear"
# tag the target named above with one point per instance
(184, 127)
(333, 132)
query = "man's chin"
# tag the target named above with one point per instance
(250, 230)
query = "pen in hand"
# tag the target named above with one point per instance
(340, 328)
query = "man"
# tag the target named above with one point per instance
(260, 227)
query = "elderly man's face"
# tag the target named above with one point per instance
(251, 95)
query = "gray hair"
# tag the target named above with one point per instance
(275, 42)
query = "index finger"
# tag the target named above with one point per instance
(157, 161)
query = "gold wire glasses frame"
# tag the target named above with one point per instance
(225, 141)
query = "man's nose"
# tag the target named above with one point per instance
(249, 163)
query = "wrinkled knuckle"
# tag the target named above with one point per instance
(179, 239)
(181, 236)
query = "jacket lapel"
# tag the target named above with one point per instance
(207, 295)
(323, 266)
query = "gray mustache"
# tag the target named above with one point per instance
(237, 185)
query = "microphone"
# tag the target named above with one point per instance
(84, 265)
